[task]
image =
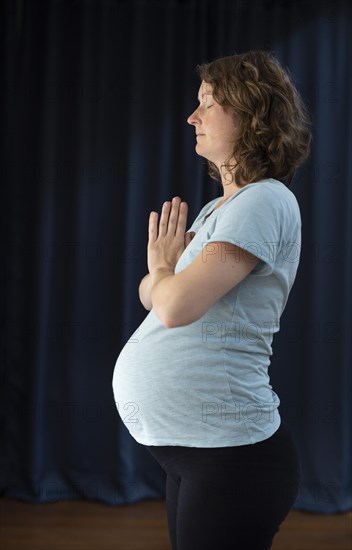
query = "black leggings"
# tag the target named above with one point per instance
(229, 498)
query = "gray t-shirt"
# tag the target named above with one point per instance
(206, 384)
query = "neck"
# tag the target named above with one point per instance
(229, 185)
(228, 180)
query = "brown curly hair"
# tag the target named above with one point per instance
(274, 125)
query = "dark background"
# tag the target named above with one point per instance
(94, 101)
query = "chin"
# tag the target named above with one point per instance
(200, 151)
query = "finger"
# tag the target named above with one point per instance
(182, 219)
(153, 226)
(174, 213)
(164, 218)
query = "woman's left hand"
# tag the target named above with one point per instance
(167, 239)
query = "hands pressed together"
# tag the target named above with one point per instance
(167, 236)
(182, 298)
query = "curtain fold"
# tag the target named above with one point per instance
(94, 103)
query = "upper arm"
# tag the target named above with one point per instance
(213, 273)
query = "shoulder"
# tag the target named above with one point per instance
(266, 188)
(269, 195)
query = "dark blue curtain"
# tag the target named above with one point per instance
(94, 100)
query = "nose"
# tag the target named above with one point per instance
(193, 118)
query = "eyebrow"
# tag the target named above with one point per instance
(205, 93)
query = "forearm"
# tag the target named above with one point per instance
(148, 285)
(145, 292)
(171, 298)
(161, 290)
(181, 299)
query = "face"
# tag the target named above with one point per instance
(215, 127)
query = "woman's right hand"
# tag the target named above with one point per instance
(188, 237)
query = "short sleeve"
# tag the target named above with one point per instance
(254, 221)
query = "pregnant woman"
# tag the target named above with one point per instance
(196, 375)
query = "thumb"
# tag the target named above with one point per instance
(188, 237)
